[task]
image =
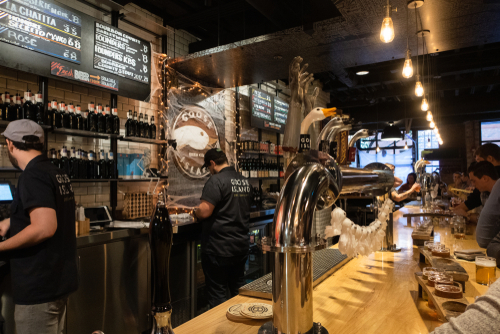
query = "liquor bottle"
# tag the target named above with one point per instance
(78, 121)
(160, 241)
(101, 170)
(39, 109)
(129, 129)
(145, 126)
(64, 162)
(109, 122)
(110, 167)
(82, 167)
(58, 115)
(140, 126)
(16, 109)
(53, 157)
(135, 124)
(91, 166)
(93, 119)
(253, 170)
(68, 116)
(73, 164)
(152, 128)
(51, 111)
(27, 106)
(5, 105)
(101, 119)
(116, 121)
(85, 119)
(282, 172)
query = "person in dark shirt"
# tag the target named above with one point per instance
(487, 152)
(410, 181)
(41, 234)
(224, 212)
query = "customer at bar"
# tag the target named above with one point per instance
(457, 181)
(410, 181)
(41, 234)
(487, 152)
(399, 197)
(485, 178)
(224, 212)
(467, 182)
(482, 317)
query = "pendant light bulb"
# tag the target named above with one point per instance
(378, 149)
(387, 30)
(440, 141)
(436, 131)
(429, 116)
(406, 145)
(408, 66)
(432, 124)
(425, 105)
(419, 89)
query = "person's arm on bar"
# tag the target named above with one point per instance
(205, 210)
(493, 249)
(401, 197)
(480, 318)
(43, 226)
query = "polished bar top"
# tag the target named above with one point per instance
(107, 235)
(374, 294)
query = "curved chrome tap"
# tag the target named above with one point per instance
(323, 135)
(363, 133)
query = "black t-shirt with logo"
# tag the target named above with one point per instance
(225, 232)
(47, 271)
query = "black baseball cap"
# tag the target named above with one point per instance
(213, 154)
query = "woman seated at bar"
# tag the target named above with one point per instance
(457, 181)
(399, 197)
(410, 181)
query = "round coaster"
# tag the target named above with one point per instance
(233, 313)
(257, 310)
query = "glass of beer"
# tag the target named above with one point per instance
(485, 269)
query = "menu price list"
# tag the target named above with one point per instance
(120, 53)
(261, 105)
(280, 111)
(41, 26)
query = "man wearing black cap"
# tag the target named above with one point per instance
(41, 234)
(224, 212)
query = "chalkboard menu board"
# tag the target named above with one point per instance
(42, 26)
(48, 38)
(120, 53)
(268, 112)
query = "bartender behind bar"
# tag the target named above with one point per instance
(41, 234)
(224, 212)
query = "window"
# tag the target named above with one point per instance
(427, 140)
(490, 132)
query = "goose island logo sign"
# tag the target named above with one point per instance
(195, 133)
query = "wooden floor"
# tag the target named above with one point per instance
(376, 294)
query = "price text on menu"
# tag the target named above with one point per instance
(120, 53)
(42, 26)
(268, 112)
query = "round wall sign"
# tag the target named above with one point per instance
(195, 133)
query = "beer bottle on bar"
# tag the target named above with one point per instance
(85, 119)
(73, 164)
(103, 170)
(69, 117)
(64, 162)
(101, 119)
(58, 116)
(53, 157)
(78, 118)
(5, 105)
(140, 126)
(129, 129)
(82, 170)
(135, 125)
(14, 110)
(32, 108)
(109, 121)
(39, 108)
(112, 172)
(91, 166)
(51, 111)
(27, 105)
(152, 128)
(92, 118)
(116, 121)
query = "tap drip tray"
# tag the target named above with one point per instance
(268, 328)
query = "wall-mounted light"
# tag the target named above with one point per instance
(387, 30)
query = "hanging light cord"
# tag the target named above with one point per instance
(407, 31)
(416, 30)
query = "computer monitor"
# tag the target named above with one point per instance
(6, 196)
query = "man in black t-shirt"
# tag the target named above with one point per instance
(224, 212)
(41, 234)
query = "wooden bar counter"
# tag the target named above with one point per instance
(375, 294)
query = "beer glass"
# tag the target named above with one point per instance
(485, 269)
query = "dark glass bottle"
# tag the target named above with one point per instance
(129, 129)
(110, 167)
(13, 111)
(72, 117)
(39, 109)
(78, 118)
(116, 121)
(68, 116)
(82, 167)
(73, 164)
(91, 166)
(53, 157)
(109, 122)
(85, 120)
(58, 115)
(93, 119)
(51, 111)
(5, 105)
(101, 119)
(140, 126)
(160, 240)
(64, 162)
(27, 106)
(135, 124)
(152, 128)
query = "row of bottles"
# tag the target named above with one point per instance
(259, 168)
(144, 128)
(79, 164)
(16, 107)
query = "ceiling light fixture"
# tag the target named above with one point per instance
(406, 145)
(419, 88)
(387, 30)
(408, 66)
(425, 104)
(362, 72)
(391, 133)
(378, 149)
(428, 117)
(432, 124)
(440, 141)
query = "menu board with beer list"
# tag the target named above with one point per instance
(118, 52)
(42, 26)
(268, 112)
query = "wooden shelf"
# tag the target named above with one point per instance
(144, 180)
(83, 133)
(9, 169)
(263, 153)
(93, 180)
(5, 123)
(143, 140)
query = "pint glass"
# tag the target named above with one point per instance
(485, 269)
